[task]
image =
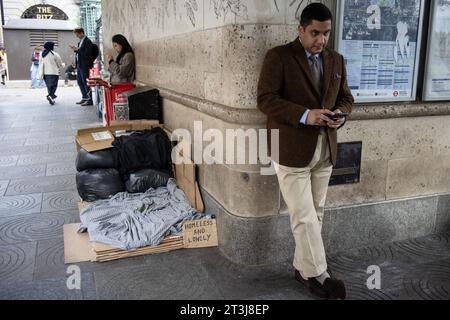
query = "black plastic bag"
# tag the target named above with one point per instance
(96, 184)
(141, 181)
(104, 159)
(150, 149)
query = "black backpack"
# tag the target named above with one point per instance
(95, 51)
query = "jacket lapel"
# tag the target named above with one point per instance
(300, 56)
(83, 44)
(328, 61)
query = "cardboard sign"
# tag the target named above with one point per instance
(200, 234)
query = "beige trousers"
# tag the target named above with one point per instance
(305, 192)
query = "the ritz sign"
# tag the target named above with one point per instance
(44, 13)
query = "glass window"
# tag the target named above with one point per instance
(437, 70)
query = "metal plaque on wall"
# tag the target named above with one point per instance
(348, 164)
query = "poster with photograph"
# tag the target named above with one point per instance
(380, 41)
(437, 72)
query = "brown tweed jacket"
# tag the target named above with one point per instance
(286, 91)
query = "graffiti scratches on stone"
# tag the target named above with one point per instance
(191, 8)
(298, 4)
(224, 7)
(167, 12)
(276, 5)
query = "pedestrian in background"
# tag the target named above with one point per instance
(50, 67)
(35, 58)
(3, 72)
(70, 74)
(85, 57)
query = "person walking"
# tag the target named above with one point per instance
(303, 89)
(3, 69)
(70, 74)
(50, 66)
(35, 58)
(85, 58)
(123, 69)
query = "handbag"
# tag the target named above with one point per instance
(40, 72)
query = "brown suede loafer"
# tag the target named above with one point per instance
(335, 288)
(313, 286)
(87, 103)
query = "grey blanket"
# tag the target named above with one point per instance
(131, 221)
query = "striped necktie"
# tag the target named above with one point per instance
(316, 72)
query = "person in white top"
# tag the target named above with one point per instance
(3, 71)
(50, 66)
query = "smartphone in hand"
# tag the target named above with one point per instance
(338, 116)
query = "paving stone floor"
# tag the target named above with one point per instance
(38, 196)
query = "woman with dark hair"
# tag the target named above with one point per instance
(122, 69)
(50, 65)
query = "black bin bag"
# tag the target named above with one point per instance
(103, 159)
(149, 149)
(141, 181)
(96, 184)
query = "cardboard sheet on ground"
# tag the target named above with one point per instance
(77, 247)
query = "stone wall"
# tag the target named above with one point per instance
(209, 51)
(402, 157)
(166, 18)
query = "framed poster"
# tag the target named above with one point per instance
(437, 69)
(380, 41)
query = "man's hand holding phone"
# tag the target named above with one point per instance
(337, 119)
(319, 117)
(74, 48)
(326, 118)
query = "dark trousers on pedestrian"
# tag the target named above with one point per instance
(51, 81)
(82, 76)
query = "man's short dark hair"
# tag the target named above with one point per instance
(79, 30)
(315, 11)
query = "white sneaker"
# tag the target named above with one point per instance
(51, 100)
